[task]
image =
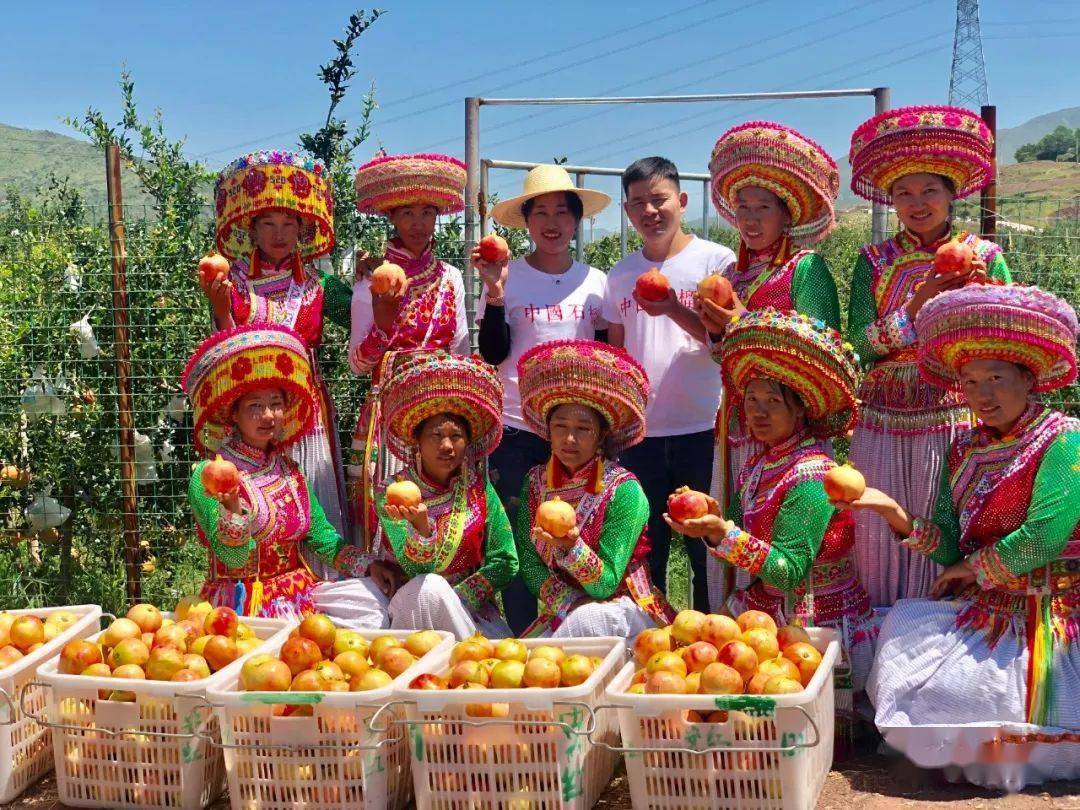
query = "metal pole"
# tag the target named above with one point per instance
(988, 198)
(787, 94)
(879, 218)
(622, 221)
(472, 205)
(579, 251)
(705, 209)
(485, 184)
(125, 418)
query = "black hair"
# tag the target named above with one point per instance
(457, 419)
(647, 169)
(573, 202)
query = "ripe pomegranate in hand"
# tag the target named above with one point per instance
(687, 504)
(403, 493)
(953, 256)
(844, 483)
(556, 517)
(717, 289)
(388, 276)
(493, 248)
(211, 266)
(220, 477)
(652, 285)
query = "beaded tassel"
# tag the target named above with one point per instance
(1040, 660)
(239, 597)
(256, 597)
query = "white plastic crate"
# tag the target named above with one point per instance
(151, 753)
(25, 745)
(331, 760)
(541, 756)
(772, 753)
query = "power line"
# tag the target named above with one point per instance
(442, 105)
(729, 69)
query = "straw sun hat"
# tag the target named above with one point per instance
(543, 180)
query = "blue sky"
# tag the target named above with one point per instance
(234, 76)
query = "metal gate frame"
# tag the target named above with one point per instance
(477, 169)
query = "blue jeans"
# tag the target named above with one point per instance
(517, 453)
(662, 464)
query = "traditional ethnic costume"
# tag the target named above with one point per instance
(788, 275)
(1002, 654)
(601, 585)
(469, 557)
(788, 537)
(255, 562)
(293, 294)
(902, 417)
(432, 310)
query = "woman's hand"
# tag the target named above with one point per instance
(493, 274)
(711, 528)
(388, 576)
(877, 501)
(416, 515)
(231, 501)
(953, 580)
(934, 285)
(385, 307)
(218, 291)
(562, 543)
(715, 317)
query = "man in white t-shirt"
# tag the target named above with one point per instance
(669, 340)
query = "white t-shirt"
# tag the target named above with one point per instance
(685, 382)
(541, 307)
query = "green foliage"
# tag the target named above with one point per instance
(1060, 144)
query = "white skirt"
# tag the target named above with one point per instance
(426, 602)
(620, 617)
(930, 673)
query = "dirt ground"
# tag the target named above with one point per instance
(867, 783)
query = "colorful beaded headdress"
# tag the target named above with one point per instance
(393, 181)
(584, 372)
(430, 383)
(779, 159)
(950, 141)
(234, 362)
(1015, 323)
(263, 182)
(545, 179)
(804, 354)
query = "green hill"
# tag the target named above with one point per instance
(28, 158)
(1011, 139)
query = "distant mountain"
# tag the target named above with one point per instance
(28, 157)
(1011, 139)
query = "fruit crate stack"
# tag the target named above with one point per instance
(491, 743)
(131, 725)
(296, 720)
(26, 745)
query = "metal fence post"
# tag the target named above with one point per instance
(622, 221)
(124, 407)
(880, 217)
(579, 251)
(705, 209)
(472, 205)
(485, 186)
(988, 197)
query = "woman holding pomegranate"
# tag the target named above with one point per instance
(274, 218)
(581, 524)
(252, 393)
(919, 159)
(997, 643)
(528, 301)
(794, 381)
(448, 531)
(778, 188)
(418, 305)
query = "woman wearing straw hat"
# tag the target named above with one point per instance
(1002, 651)
(274, 218)
(587, 400)
(426, 313)
(544, 296)
(795, 381)
(919, 159)
(441, 418)
(777, 187)
(252, 395)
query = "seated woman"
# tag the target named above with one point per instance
(251, 390)
(588, 400)
(795, 381)
(1007, 525)
(442, 416)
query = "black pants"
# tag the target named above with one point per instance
(518, 453)
(662, 464)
